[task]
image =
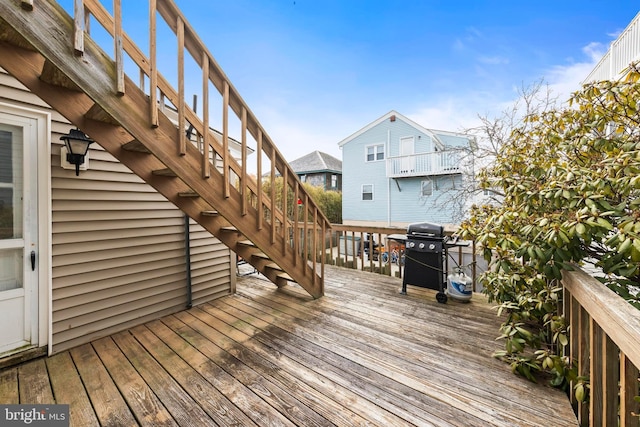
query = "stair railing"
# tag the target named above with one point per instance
(280, 214)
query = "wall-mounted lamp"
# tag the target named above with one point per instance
(77, 144)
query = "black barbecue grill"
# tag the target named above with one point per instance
(424, 256)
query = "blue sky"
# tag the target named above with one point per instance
(316, 71)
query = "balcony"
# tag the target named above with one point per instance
(425, 164)
(623, 51)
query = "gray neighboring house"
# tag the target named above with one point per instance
(319, 169)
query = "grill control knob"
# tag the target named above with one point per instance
(411, 244)
(421, 245)
(432, 246)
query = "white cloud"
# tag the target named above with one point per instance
(563, 80)
(450, 114)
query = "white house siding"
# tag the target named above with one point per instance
(118, 251)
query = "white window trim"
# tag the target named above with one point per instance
(362, 193)
(375, 153)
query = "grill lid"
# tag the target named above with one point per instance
(425, 229)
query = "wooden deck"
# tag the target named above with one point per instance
(362, 355)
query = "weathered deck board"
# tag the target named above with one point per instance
(68, 388)
(9, 392)
(34, 382)
(182, 407)
(144, 404)
(362, 355)
(109, 406)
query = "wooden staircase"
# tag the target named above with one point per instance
(54, 56)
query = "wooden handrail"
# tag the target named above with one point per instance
(604, 342)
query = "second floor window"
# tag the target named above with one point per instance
(334, 181)
(375, 152)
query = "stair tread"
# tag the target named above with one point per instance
(261, 255)
(188, 194)
(285, 276)
(164, 172)
(246, 243)
(210, 213)
(135, 145)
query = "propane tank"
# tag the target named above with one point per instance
(459, 285)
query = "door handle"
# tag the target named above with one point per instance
(33, 260)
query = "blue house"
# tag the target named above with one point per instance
(396, 172)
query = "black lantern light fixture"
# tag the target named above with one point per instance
(77, 144)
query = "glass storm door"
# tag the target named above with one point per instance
(18, 232)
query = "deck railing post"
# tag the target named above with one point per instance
(78, 27)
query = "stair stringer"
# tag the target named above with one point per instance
(93, 73)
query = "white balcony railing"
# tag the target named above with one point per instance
(424, 164)
(623, 51)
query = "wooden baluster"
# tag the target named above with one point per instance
(314, 243)
(153, 66)
(571, 315)
(323, 261)
(354, 253)
(362, 250)
(182, 124)
(225, 138)
(243, 177)
(596, 343)
(296, 229)
(273, 195)
(285, 209)
(583, 359)
(259, 177)
(370, 256)
(78, 27)
(628, 391)
(338, 252)
(379, 252)
(305, 265)
(118, 47)
(610, 372)
(206, 147)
